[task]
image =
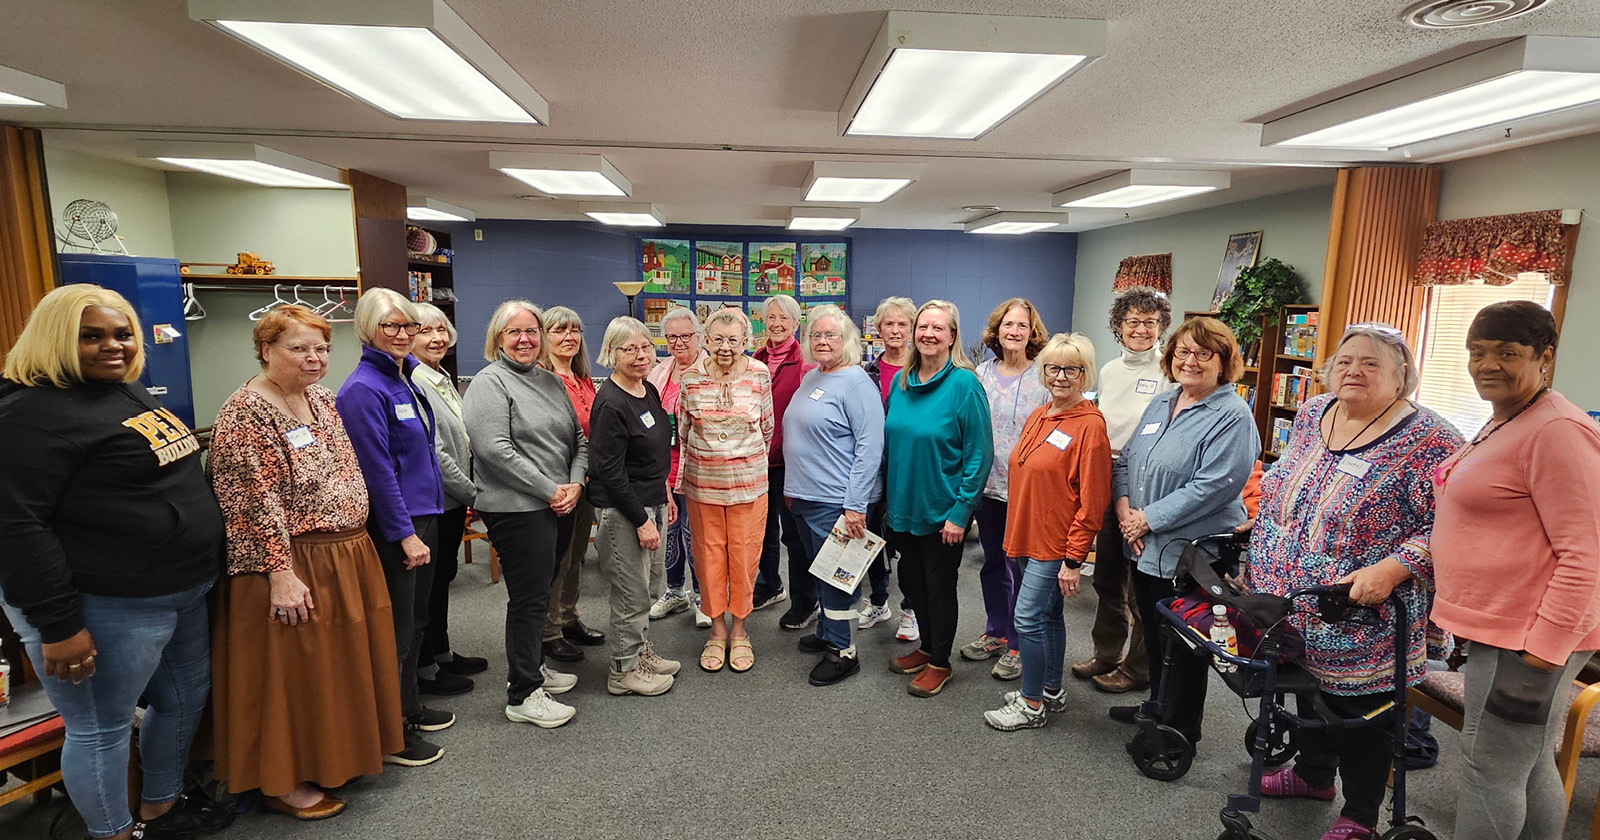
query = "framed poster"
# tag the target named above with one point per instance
(822, 269)
(664, 265)
(718, 268)
(771, 269)
(1242, 252)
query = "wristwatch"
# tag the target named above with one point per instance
(1073, 564)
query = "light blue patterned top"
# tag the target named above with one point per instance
(1011, 401)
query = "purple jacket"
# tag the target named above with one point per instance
(391, 427)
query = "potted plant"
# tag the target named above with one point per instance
(1259, 290)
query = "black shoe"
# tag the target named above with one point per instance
(189, 815)
(809, 643)
(1124, 714)
(794, 619)
(432, 720)
(464, 666)
(579, 634)
(762, 600)
(444, 684)
(833, 668)
(562, 650)
(418, 752)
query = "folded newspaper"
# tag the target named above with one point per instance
(843, 561)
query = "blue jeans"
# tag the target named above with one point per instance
(151, 650)
(836, 626)
(680, 553)
(1042, 631)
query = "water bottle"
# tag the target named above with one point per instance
(1224, 636)
(5, 682)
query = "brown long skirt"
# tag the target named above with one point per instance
(318, 702)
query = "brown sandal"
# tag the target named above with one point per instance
(716, 653)
(733, 654)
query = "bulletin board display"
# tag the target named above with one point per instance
(708, 274)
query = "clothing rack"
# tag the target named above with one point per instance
(193, 311)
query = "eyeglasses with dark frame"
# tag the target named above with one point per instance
(1147, 323)
(1201, 354)
(1058, 371)
(392, 329)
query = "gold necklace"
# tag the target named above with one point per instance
(287, 403)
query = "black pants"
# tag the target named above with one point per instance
(1186, 697)
(529, 543)
(1360, 756)
(436, 642)
(928, 571)
(409, 593)
(878, 572)
(781, 527)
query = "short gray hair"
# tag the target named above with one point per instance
(786, 304)
(377, 303)
(888, 304)
(675, 314)
(502, 316)
(427, 314)
(849, 336)
(621, 328)
(729, 315)
(559, 317)
(1384, 336)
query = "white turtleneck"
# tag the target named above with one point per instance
(1127, 385)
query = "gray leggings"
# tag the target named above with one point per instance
(1510, 789)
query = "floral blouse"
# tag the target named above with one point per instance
(276, 478)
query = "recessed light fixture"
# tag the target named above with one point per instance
(563, 174)
(1138, 187)
(1533, 75)
(864, 183)
(623, 213)
(244, 162)
(1013, 223)
(417, 59)
(424, 209)
(27, 90)
(822, 218)
(956, 76)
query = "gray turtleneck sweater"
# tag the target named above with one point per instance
(1128, 384)
(525, 437)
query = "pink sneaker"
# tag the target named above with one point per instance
(1345, 828)
(1286, 784)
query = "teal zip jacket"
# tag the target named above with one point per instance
(939, 447)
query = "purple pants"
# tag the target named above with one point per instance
(999, 577)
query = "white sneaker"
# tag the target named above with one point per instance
(701, 620)
(1056, 702)
(671, 601)
(1014, 715)
(540, 710)
(908, 631)
(556, 682)
(872, 616)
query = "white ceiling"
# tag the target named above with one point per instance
(714, 110)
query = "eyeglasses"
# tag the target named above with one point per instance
(1147, 323)
(725, 341)
(1373, 326)
(635, 349)
(1203, 354)
(391, 329)
(303, 350)
(680, 338)
(1068, 371)
(566, 331)
(517, 333)
(829, 337)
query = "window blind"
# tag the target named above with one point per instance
(1446, 386)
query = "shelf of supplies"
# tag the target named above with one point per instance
(1285, 357)
(427, 259)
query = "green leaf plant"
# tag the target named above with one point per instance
(1259, 290)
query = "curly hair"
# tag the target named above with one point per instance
(1139, 299)
(1037, 334)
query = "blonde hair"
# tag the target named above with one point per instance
(904, 304)
(47, 350)
(555, 318)
(621, 328)
(427, 314)
(849, 336)
(958, 354)
(502, 316)
(376, 303)
(1069, 349)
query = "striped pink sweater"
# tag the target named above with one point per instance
(724, 432)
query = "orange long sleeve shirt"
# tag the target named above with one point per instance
(1060, 484)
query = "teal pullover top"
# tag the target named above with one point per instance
(939, 447)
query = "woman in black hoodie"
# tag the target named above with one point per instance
(110, 538)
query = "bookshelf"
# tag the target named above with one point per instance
(430, 278)
(1275, 383)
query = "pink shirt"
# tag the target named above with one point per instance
(1516, 535)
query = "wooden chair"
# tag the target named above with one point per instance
(472, 535)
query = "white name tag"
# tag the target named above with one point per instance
(1145, 386)
(1059, 439)
(648, 419)
(300, 437)
(816, 393)
(405, 411)
(1353, 466)
(1149, 428)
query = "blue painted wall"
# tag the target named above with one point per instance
(575, 263)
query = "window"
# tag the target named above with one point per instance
(1446, 387)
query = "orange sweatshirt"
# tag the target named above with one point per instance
(1060, 484)
(1516, 535)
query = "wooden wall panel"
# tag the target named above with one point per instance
(27, 256)
(1379, 216)
(380, 208)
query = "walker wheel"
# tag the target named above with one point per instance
(1407, 832)
(1161, 753)
(1281, 744)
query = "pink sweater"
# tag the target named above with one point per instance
(1516, 535)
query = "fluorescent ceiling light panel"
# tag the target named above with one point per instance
(955, 76)
(27, 90)
(1013, 223)
(563, 174)
(1534, 75)
(1138, 187)
(244, 162)
(625, 214)
(424, 209)
(822, 218)
(415, 59)
(863, 183)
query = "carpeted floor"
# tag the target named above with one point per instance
(765, 755)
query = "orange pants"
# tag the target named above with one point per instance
(727, 551)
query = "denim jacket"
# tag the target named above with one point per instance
(1187, 473)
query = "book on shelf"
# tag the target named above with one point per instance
(1300, 335)
(1246, 393)
(420, 284)
(1291, 390)
(1279, 440)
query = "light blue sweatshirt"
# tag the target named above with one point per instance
(833, 439)
(940, 446)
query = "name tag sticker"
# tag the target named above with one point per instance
(300, 437)
(1353, 466)
(816, 393)
(1150, 428)
(405, 411)
(1059, 439)
(1145, 386)
(648, 419)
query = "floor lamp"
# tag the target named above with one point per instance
(631, 288)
